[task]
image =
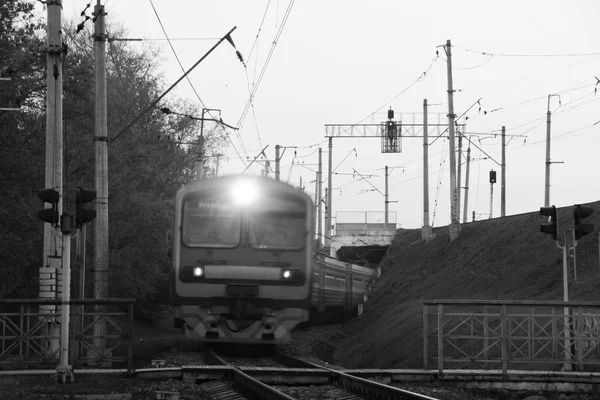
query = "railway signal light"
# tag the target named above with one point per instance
(82, 215)
(49, 215)
(581, 229)
(551, 226)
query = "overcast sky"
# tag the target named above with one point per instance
(348, 62)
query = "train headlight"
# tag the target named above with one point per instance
(291, 275)
(198, 272)
(244, 193)
(191, 273)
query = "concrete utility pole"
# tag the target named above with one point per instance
(199, 167)
(200, 159)
(454, 227)
(54, 132)
(64, 370)
(319, 198)
(218, 157)
(466, 202)
(548, 162)
(459, 173)
(503, 187)
(50, 273)
(101, 159)
(277, 162)
(328, 214)
(386, 196)
(316, 207)
(101, 265)
(426, 230)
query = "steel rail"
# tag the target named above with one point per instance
(359, 385)
(253, 385)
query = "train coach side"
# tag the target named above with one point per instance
(339, 285)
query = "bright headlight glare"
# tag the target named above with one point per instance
(287, 274)
(198, 271)
(244, 193)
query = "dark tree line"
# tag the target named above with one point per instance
(147, 163)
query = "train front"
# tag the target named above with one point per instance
(242, 259)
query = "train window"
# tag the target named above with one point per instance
(210, 226)
(284, 231)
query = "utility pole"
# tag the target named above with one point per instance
(503, 187)
(101, 264)
(200, 157)
(199, 167)
(328, 214)
(277, 162)
(218, 157)
(454, 228)
(459, 173)
(64, 370)
(319, 198)
(565, 249)
(53, 250)
(548, 162)
(316, 207)
(426, 231)
(100, 235)
(54, 134)
(386, 196)
(466, 202)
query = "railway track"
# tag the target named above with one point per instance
(319, 382)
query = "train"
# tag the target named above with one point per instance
(244, 266)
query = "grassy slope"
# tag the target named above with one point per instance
(499, 259)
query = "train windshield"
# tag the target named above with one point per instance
(210, 224)
(281, 224)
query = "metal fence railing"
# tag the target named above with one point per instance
(101, 333)
(503, 335)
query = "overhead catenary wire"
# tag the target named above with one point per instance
(527, 77)
(488, 53)
(153, 103)
(175, 54)
(266, 64)
(248, 80)
(419, 78)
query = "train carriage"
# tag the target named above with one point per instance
(242, 259)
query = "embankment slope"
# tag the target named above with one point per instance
(498, 259)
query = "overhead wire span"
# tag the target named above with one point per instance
(536, 99)
(248, 79)
(421, 77)
(175, 53)
(478, 102)
(488, 53)
(266, 64)
(476, 66)
(528, 77)
(155, 101)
